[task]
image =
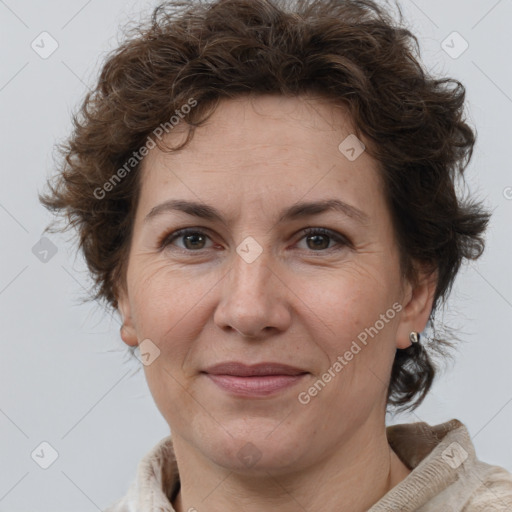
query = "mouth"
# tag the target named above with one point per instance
(258, 380)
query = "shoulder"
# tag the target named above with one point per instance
(494, 492)
(127, 503)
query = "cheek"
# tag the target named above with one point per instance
(348, 303)
(358, 343)
(359, 346)
(167, 304)
(168, 308)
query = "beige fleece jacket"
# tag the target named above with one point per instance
(446, 475)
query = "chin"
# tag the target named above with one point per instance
(253, 446)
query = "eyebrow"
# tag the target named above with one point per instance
(297, 211)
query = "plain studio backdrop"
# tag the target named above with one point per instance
(70, 397)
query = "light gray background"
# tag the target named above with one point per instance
(65, 375)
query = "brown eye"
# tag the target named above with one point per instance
(317, 242)
(321, 239)
(194, 241)
(187, 239)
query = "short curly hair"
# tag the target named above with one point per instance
(350, 52)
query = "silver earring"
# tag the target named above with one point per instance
(414, 337)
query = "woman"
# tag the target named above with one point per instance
(266, 193)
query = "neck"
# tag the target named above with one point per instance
(351, 478)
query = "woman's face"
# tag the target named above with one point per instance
(268, 271)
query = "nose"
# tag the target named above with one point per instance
(254, 299)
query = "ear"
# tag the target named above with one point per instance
(128, 333)
(417, 306)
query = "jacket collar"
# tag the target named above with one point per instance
(434, 453)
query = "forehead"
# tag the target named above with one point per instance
(262, 147)
(268, 123)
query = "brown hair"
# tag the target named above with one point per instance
(350, 52)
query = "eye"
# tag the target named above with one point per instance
(320, 239)
(191, 239)
(195, 240)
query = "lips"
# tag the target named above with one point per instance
(236, 369)
(253, 381)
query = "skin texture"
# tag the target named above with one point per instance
(302, 302)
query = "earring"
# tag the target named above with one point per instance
(414, 337)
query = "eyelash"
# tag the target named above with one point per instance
(169, 238)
